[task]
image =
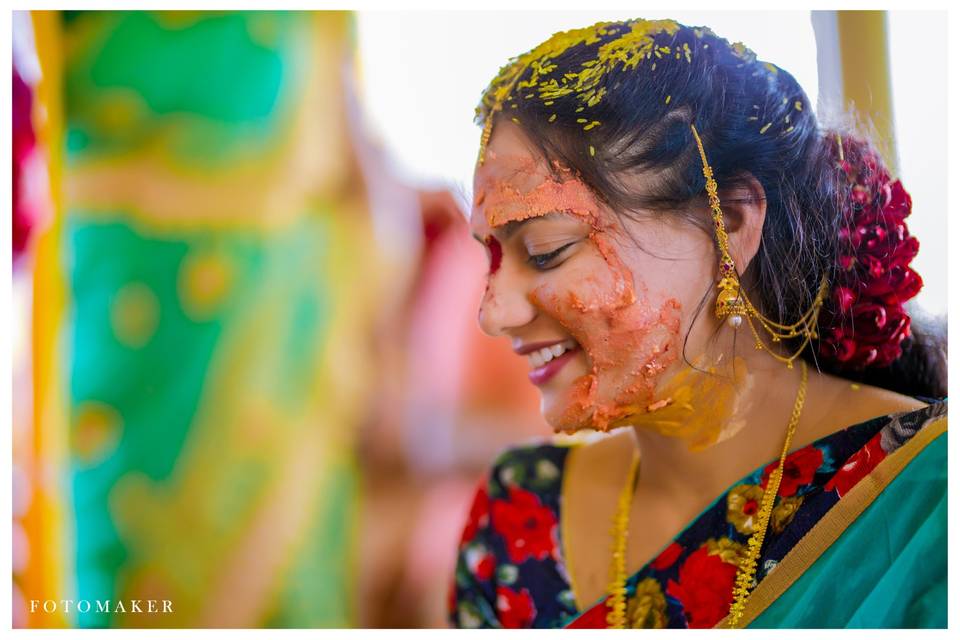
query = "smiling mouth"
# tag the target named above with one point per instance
(546, 362)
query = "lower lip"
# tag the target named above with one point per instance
(541, 375)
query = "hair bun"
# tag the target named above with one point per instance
(863, 322)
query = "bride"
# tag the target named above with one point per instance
(689, 261)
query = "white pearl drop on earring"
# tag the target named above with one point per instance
(734, 321)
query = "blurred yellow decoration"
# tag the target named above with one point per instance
(865, 69)
(122, 113)
(204, 280)
(135, 314)
(264, 29)
(46, 572)
(96, 431)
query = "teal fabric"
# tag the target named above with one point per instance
(889, 568)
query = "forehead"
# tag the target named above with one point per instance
(508, 157)
(515, 183)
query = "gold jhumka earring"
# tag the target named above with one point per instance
(732, 303)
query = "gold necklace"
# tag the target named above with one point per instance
(617, 587)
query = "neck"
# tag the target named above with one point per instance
(739, 425)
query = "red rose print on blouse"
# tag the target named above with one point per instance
(798, 470)
(857, 467)
(480, 562)
(515, 608)
(705, 588)
(526, 525)
(667, 557)
(479, 515)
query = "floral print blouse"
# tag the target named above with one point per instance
(510, 569)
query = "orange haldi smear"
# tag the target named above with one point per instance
(629, 342)
(504, 202)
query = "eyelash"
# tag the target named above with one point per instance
(541, 261)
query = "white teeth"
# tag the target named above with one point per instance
(546, 354)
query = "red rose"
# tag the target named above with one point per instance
(479, 514)
(860, 195)
(875, 327)
(864, 356)
(912, 283)
(667, 557)
(515, 608)
(868, 319)
(526, 525)
(871, 237)
(889, 245)
(857, 467)
(705, 588)
(898, 204)
(798, 469)
(874, 267)
(841, 350)
(843, 298)
(899, 283)
(906, 251)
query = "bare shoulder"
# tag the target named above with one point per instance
(879, 401)
(846, 403)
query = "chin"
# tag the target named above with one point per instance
(582, 404)
(571, 408)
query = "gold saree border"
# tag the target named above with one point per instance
(825, 532)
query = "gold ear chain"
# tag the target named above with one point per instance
(732, 302)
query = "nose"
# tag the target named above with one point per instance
(505, 306)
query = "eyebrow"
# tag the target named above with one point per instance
(510, 228)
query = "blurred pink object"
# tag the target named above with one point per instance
(29, 172)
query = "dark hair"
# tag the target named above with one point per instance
(754, 120)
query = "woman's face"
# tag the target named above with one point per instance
(600, 320)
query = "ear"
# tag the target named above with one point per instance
(744, 206)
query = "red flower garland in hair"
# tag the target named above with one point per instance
(863, 322)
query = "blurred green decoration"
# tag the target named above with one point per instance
(211, 242)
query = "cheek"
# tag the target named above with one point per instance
(629, 338)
